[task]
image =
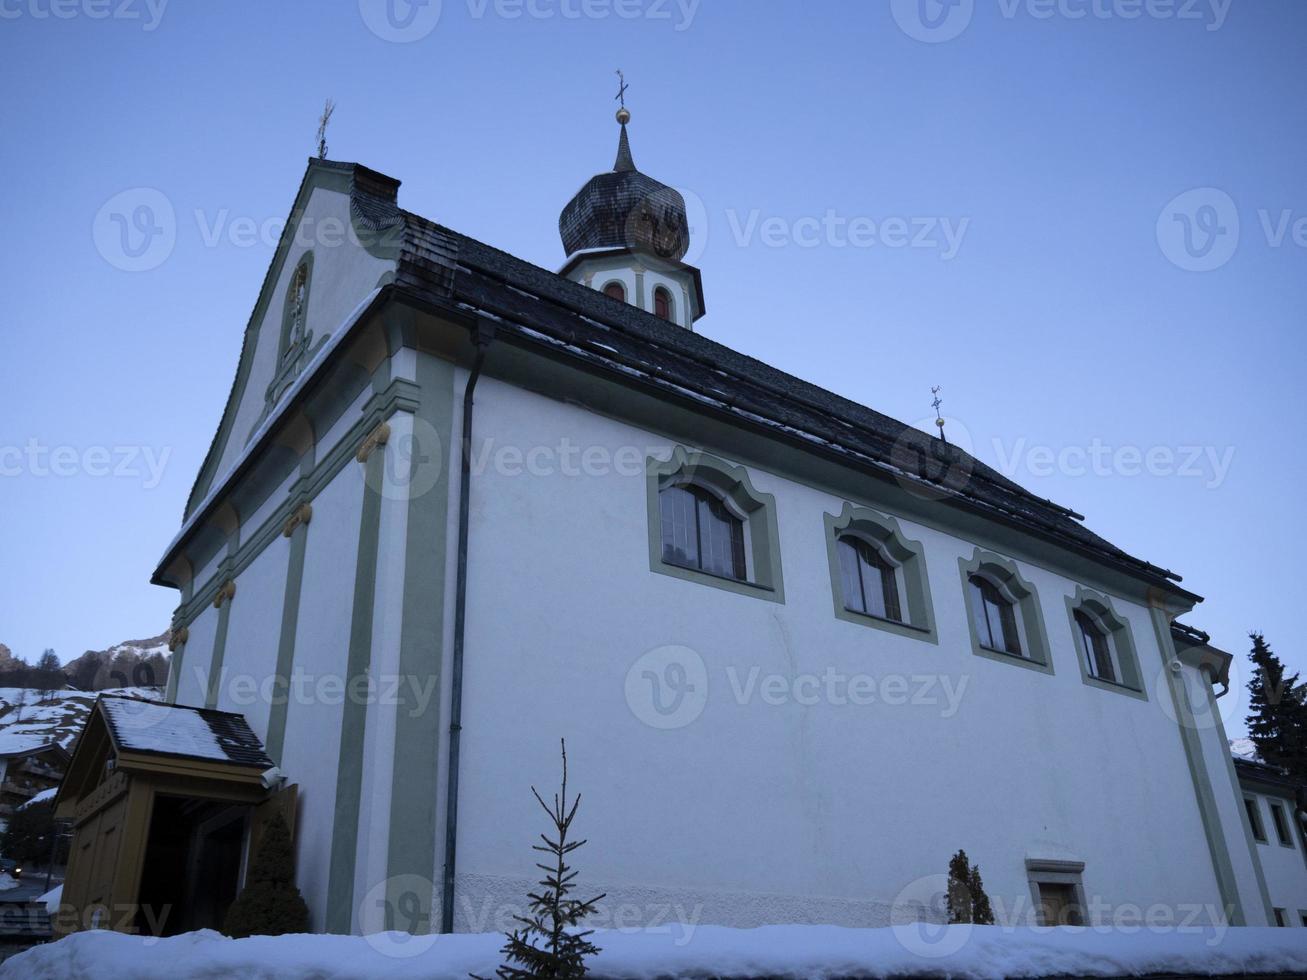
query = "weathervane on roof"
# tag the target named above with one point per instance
(939, 419)
(327, 110)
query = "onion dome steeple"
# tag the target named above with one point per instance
(626, 209)
(626, 234)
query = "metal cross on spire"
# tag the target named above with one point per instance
(327, 110)
(939, 419)
(622, 87)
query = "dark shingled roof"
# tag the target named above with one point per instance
(442, 266)
(137, 725)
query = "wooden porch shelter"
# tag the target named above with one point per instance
(167, 803)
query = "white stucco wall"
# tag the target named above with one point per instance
(782, 812)
(196, 658)
(313, 714)
(253, 631)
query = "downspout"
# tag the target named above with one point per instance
(482, 336)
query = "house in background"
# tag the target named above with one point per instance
(1276, 806)
(459, 506)
(29, 766)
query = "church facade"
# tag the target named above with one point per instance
(460, 507)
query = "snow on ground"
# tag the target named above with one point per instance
(773, 951)
(7, 881)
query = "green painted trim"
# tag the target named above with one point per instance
(1237, 788)
(909, 556)
(411, 849)
(214, 680)
(398, 395)
(732, 483)
(353, 722)
(1193, 752)
(290, 614)
(1100, 608)
(1005, 572)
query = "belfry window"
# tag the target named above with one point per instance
(700, 532)
(869, 580)
(616, 291)
(662, 303)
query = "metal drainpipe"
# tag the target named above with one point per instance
(483, 336)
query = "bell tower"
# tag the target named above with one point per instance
(626, 235)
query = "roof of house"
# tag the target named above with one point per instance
(443, 267)
(17, 745)
(136, 725)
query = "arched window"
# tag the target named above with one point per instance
(995, 617)
(870, 584)
(1095, 647)
(662, 303)
(700, 532)
(616, 290)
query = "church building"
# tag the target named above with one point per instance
(460, 507)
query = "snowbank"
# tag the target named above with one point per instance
(778, 951)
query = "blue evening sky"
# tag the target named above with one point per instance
(1078, 311)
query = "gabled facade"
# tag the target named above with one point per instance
(801, 653)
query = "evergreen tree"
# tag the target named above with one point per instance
(982, 914)
(549, 945)
(1278, 723)
(270, 904)
(967, 901)
(959, 888)
(30, 833)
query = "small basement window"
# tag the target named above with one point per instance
(1058, 892)
(1280, 918)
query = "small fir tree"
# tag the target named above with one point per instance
(270, 904)
(549, 944)
(967, 901)
(1278, 722)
